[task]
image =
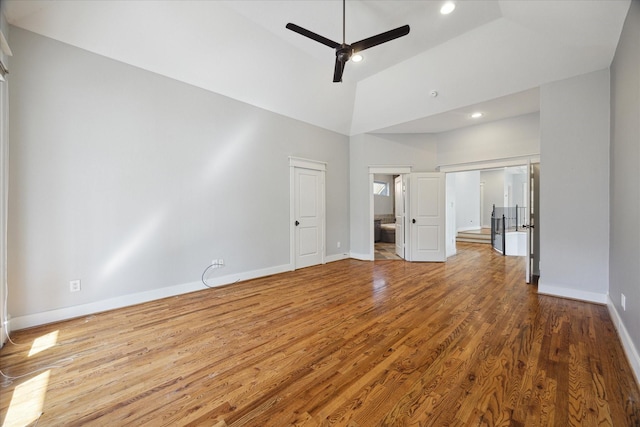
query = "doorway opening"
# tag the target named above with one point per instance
(388, 212)
(391, 209)
(420, 218)
(474, 192)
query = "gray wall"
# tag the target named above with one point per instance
(493, 193)
(452, 206)
(516, 178)
(132, 182)
(624, 256)
(574, 181)
(502, 139)
(467, 188)
(418, 151)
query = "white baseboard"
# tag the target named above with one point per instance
(629, 348)
(559, 291)
(51, 316)
(362, 257)
(335, 257)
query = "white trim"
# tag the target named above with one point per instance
(490, 164)
(362, 257)
(307, 163)
(292, 214)
(372, 215)
(336, 257)
(559, 291)
(390, 170)
(51, 316)
(627, 343)
(4, 191)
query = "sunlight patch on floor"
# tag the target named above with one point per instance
(27, 401)
(43, 343)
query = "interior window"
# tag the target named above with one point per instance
(381, 188)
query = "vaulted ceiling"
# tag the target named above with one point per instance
(490, 56)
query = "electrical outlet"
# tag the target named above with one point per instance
(220, 262)
(623, 302)
(338, 244)
(74, 286)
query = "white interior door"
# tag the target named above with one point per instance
(428, 216)
(399, 213)
(528, 222)
(308, 217)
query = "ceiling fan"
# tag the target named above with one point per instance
(345, 51)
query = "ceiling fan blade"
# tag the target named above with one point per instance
(380, 38)
(338, 70)
(313, 36)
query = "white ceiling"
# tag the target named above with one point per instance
(490, 56)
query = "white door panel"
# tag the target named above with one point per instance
(428, 217)
(428, 238)
(308, 241)
(308, 217)
(308, 202)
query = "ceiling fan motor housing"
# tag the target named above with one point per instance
(344, 53)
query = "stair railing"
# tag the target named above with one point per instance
(505, 219)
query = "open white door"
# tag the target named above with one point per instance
(308, 216)
(529, 222)
(427, 216)
(400, 215)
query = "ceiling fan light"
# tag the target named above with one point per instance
(357, 57)
(447, 8)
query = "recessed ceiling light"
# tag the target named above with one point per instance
(356, 58)
(447, 8)
(476, 115)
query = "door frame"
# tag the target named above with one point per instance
(297, 162)
(400, 180)
(493, 164)
(384, 170)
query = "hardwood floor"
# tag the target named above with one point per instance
(350, 343)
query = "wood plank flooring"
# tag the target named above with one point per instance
(350, 343)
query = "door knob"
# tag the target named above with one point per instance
(413, 220)
(297, 223)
